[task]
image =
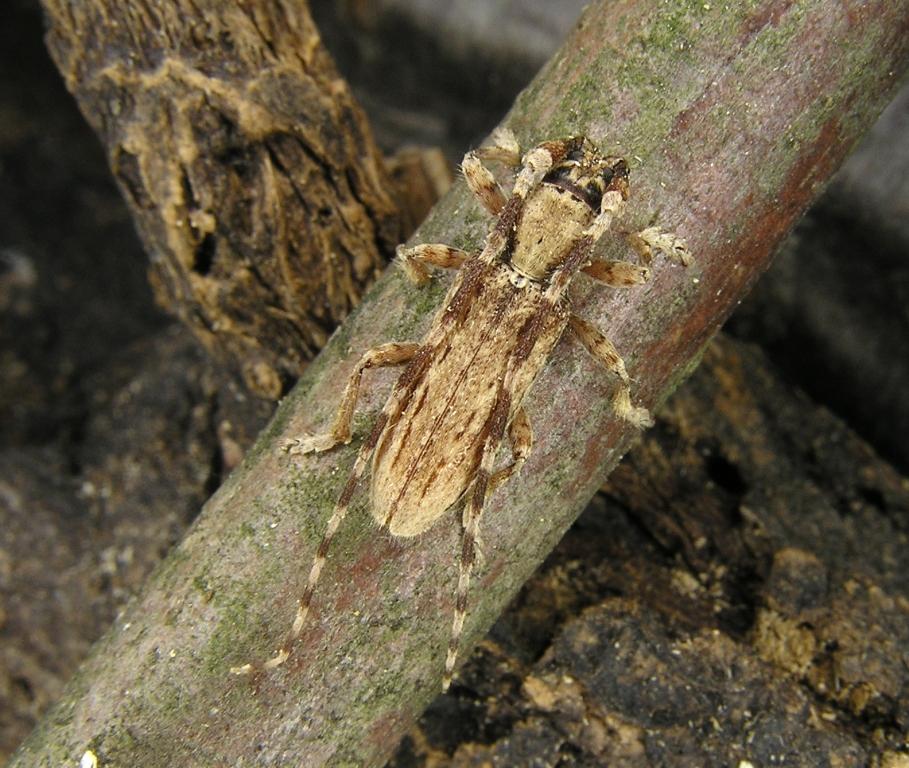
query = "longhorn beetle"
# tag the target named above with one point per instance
(437, 437)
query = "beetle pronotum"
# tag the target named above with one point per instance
(435, 441)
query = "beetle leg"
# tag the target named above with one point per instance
(611, 206)
(381, 356)
(504, 148)
(482, 183)
(391, 411)
(539, 160)
(479, 178)
(476, 499)
(521, 435)
(414, 260)
(617, 274)
(315, 571)
(653, 239)
(602, 349)
(472, 513)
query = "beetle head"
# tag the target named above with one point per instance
(588, 175)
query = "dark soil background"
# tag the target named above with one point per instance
(737, 594)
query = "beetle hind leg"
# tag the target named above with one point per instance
(521, 435)
(476, 499)
(389, 412)
(469, 537)
(617, 274)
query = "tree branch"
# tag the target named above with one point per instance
(732, 118)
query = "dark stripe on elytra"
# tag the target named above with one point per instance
(381, 421)
(443, 353)
(503, 301)
(531, 331)
(405, 438)
(574, 259)
(475, 275)
(415, 368)
(430, 480)
(498, 419)
(409, 381)
(494, 427)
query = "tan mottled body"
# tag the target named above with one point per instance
(436, 440)
(430, 451)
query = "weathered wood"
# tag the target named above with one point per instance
(250, 170)
(741, 113)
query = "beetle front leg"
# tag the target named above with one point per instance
(539, 160)
(602, 349)
(611, 206)
(379, 357)
(414, 260)
(653, 239)
(479, 178)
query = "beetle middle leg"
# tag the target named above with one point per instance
(622, 274)
(617, 274)
(602, 349)
(378, 357)
(521, 435)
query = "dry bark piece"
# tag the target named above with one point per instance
(250, 170)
